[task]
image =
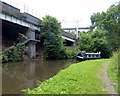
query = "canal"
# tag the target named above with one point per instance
(21, 75)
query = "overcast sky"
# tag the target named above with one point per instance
(68, 12)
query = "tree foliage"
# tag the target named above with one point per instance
(104, 35)
(51, 36)
(109, 21)
(95, 41)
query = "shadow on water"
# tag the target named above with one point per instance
(21, 75)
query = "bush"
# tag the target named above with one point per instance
(71, 53)
(14, 53)
(3, 57)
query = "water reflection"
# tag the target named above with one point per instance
(21, 75)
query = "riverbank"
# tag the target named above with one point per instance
(79, 78)
(113, 70)
(25, 74)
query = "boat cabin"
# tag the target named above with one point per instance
(83, 55)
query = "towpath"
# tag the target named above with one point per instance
(107, 81)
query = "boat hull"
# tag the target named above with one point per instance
(87, 58)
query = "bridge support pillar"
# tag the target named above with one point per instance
(74, 45)
(31, 43)
(31, 49)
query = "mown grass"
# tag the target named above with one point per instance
(79, 78)
(113, 69)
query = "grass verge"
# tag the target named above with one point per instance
(79, 78)
(113, 69)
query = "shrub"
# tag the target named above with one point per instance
(71, 52)
(14, 53)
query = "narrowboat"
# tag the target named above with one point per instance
(85, 56)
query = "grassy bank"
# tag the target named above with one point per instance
(113, 69)
(80, 78)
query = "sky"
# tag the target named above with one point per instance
(71, 13)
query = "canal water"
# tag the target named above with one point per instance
(21, 75)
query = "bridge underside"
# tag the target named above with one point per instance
(68, 43)
(10, 36)
(10, 33)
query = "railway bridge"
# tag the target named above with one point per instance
(15, 22)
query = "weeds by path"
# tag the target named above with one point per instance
(113, 68)
(108, 83)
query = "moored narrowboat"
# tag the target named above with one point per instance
(85, 56)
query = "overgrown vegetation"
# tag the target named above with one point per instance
(95, 41)
(114, 68)
(52, 40)
(109, 21)
(71, 52)
(14, 53)
(51, 36)
(80, 78)
(104, 35)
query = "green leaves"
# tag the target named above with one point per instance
(51, 35)
(107, 36)
(109, 21)
(95, 41)
(71, 53)
(50, 25)
(14, 53)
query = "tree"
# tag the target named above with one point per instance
(95, 41)
(85, 42)
(51, 36)
(100, 42)
(109, 21)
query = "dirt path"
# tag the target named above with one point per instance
(107, 81)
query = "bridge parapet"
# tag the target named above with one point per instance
(29, 18)
(68, 36)
(12, 14)
(18, 21)
(8, 9)
(79, 28)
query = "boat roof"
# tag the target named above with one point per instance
(92, 53)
